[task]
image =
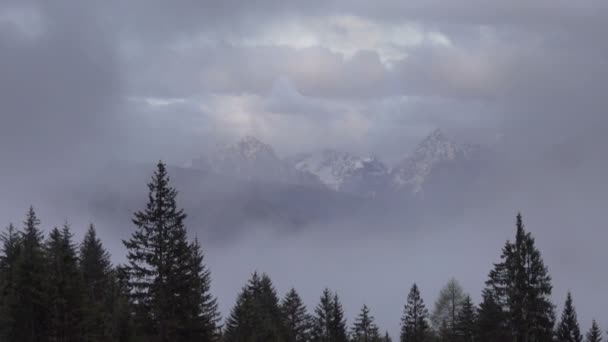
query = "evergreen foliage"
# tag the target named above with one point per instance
(296, 320)
(364, 328)
(465, 327)
(329, 324)
(594, 334)
(522, 287)
(256, 317)
(414, 323)
(568, 329)
(64, 287)
(164, 282)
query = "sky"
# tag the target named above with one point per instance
(86, 82)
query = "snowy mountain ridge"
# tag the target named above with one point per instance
(251, 159)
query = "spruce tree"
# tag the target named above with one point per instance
(387, 338)
(296, 320)
(160, 270)
(364, 328)
(447, 308)
(256, 316)
(202, 318)
(465, 325)
(100, 297)
(522, 285)
(491, 320)
(414, 323)
(594, 334)
(64, 287)
(329, 324)
(568, 329)
(338, 324)
(29, 309)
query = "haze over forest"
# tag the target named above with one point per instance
(352, 145)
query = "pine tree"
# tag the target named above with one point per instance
(365, 329)
(64, 287)
(568, 329)
(522, 285)
(29, 308)
(329, 324)
(295, 318)
(465, 325)
(414, 323)
(447, 308)
(594, 334)
(387, 338)
(160, 270)
(491, 320)
(256, 316)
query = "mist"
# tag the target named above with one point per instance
(93, 95)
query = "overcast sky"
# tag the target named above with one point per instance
(149, 79)
(369, 77)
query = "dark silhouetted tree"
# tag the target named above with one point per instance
(296, 320)
(64, 287)
(160, 268)
(329, 324)
(364, 328)
(568, 329)
(466, 322)
(29, 308)
(256, 316)
(414, 323)
(491, 320)
(594, 334)
(522, 286)
(8, 259)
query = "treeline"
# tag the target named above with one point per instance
(52, 289)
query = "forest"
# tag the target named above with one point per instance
(53, 288)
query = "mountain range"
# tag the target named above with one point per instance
(250, 159)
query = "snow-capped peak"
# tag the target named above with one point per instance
(340, 170)
(436, 148)
(251, 148)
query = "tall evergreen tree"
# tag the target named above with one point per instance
(387, 338)
(329, 324)
(568, 329)
(160, 271)
(594, 334)
(447, 308)
(364, 328)
(29, 308)
(466, 322)
(64, 287)
(256, 317)
(522, 285)
(297, 321)
(414, 323)
(491, 320)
